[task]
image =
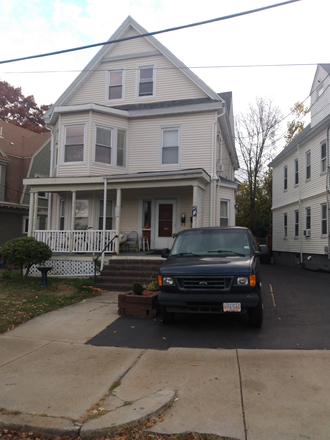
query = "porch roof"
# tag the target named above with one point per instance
(187, 177)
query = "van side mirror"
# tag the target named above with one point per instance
(165, 253)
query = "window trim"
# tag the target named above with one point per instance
(285, 178)
(324, 219)
(323, 163)
(161, 131)
(308, 166)
(123, 84)
(64, 128)
(296, 172)
(285, 225)
(112, 138)
(296, 223)
(139, 67)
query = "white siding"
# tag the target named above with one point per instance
(320, 96)
(170, 82)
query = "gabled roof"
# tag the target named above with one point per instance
(96, 60)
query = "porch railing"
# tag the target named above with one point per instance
(76, 241)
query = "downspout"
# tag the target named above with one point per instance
(50, 201)
(104, 219)
(214, 139)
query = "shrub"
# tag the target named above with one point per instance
(153, 286)
(24, 252)
(137, 288)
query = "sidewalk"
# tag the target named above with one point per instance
(54, 380)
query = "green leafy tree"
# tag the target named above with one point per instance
(256, 137)
(296, 126)
(24, 252)
(19, 110)
(263, 205)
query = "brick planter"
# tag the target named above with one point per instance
(138, 305)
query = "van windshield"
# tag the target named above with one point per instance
(212, 243)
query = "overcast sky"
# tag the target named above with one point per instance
(297, 34)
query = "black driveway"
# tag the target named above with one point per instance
(296, 316)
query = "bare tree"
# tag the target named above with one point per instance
(256, 137)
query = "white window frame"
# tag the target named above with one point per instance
(296, 172)
(308, 161)
(323, 165)
(285, 225)
(125, 147)
(123, 83)
(324, 219)
(227, 201)
(62, 202)
(308, 217)
(112, 139)
(296, 223)
(138, 70)
(161, 131)
(64, 129)
(100, 207)
(285, 178)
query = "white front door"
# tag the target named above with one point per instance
(165, 223)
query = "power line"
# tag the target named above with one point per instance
(148, 34)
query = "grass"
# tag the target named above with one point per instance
(22, 301)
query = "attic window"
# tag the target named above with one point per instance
(146, 81)
(116, 84)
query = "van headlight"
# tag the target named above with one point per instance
(168, 281)
(242, 281)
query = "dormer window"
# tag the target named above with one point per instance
(146, 81)
(115, 84)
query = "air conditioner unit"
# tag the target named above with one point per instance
(307, 232)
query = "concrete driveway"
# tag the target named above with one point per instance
(51, 376)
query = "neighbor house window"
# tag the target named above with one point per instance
(323, 157)
(308, 165)
(108, 219)
(285, 182)
(296, 223)
(324, 219)
(121, 148)
(296, 172)
(285, 225)
(224, 213)
(103, 145)
(74, 143)
(115, 84)
(146, 81)
(170, 139)
(308, 218)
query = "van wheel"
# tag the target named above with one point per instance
(256, 315)
(166, 317)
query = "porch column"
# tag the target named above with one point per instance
(118, 218)
(31, 211)
(195, 203)
(35, 211)
(73, 217)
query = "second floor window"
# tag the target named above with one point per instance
(116, 84)
(308, 165)
(103, 145)
(146, 81)
(296, 172)
(285, 225)
(323, 157)
(285, 183)
(170, 146)
(74, 143)
(121, 148)
(308, 218)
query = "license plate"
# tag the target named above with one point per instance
(231, 307)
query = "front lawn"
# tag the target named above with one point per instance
(21, 301)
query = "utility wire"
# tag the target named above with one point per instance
(148, 34)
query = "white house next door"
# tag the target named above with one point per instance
(165, 223)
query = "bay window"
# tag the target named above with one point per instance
(74, 143)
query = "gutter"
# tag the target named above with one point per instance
(212, 164)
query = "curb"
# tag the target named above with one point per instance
(138, 411)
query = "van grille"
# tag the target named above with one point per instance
(205, 283)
